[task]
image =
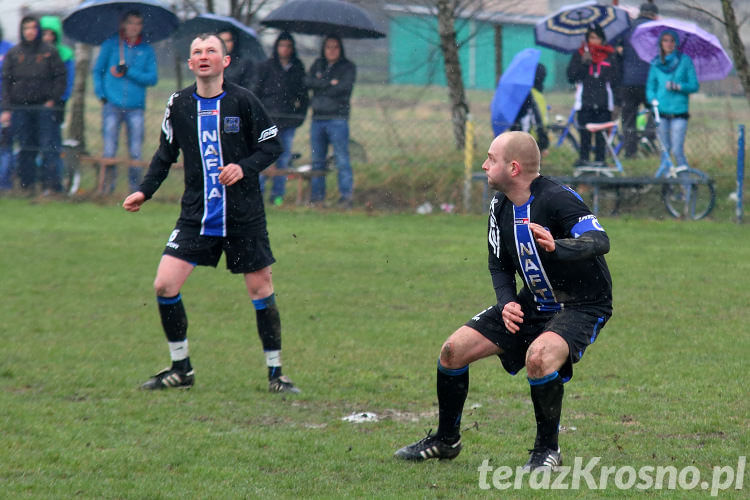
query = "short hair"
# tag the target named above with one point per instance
(522, 147)
(206, 36)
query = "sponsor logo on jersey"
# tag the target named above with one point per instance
(493, 235)
(231, 124)
(268, 133)
(172, 237)
(532, 269)
(213, 222)
(166, 123)
(522, 220)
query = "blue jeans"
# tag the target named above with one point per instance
(112, 117)
(286, 136)
(37, 131)
(336, 133)
(672, 135)
(6, 158)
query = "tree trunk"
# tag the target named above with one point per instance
(77, 129)
(737, 47)
(449, 47)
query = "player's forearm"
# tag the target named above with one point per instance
(589, 244)
(157, 172)
(504, 284)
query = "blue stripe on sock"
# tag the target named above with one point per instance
(452, 373)
(169, 300)
(261, 304)
(547, 378)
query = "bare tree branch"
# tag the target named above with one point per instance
(692, 6)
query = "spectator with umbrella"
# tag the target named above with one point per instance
(671, 80)
(594, 71)
(532, 117)
(682, 54)
(331, 78)
(280, 86)
(126, 66)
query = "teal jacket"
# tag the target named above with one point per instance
(129, 90)
(678, 69)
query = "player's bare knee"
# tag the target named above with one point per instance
(535, 362)
(447, 354)
(163, 289)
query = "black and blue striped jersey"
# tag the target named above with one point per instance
(211, 132)
(576, 273)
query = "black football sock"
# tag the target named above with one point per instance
(174, 321)
(452, 388)
(547, 395)
(269, 331)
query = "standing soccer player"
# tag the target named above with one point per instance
(226, 139)
(543, 232)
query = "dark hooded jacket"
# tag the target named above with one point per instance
(33, 73)
(241, 69)
(331, 101)
(281, 89)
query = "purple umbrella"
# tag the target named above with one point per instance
(709, 57)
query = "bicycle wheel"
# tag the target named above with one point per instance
(691, 201)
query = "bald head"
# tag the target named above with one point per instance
(521, 147)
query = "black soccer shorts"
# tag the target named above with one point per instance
(245, 254)
(578, 326)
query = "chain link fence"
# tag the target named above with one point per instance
(404, 153)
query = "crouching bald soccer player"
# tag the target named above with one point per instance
(543, 232)
(226, 140)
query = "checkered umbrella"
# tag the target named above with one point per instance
(565, 30)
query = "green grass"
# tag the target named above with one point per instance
(366, 301)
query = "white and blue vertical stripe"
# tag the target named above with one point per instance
(532, 269)
(214, 221)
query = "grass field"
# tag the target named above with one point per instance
(366, 301)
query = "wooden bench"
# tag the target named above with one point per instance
(303, 174)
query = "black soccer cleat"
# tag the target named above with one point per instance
(282, 384)
(430, 447)
(169, 378)
(542, 458)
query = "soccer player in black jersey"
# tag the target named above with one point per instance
(544, 233)
(226, 139)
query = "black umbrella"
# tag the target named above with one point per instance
(323, 17)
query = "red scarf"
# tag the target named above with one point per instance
(598, 52)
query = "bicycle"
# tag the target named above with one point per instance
(563, 130)
(690, 194)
